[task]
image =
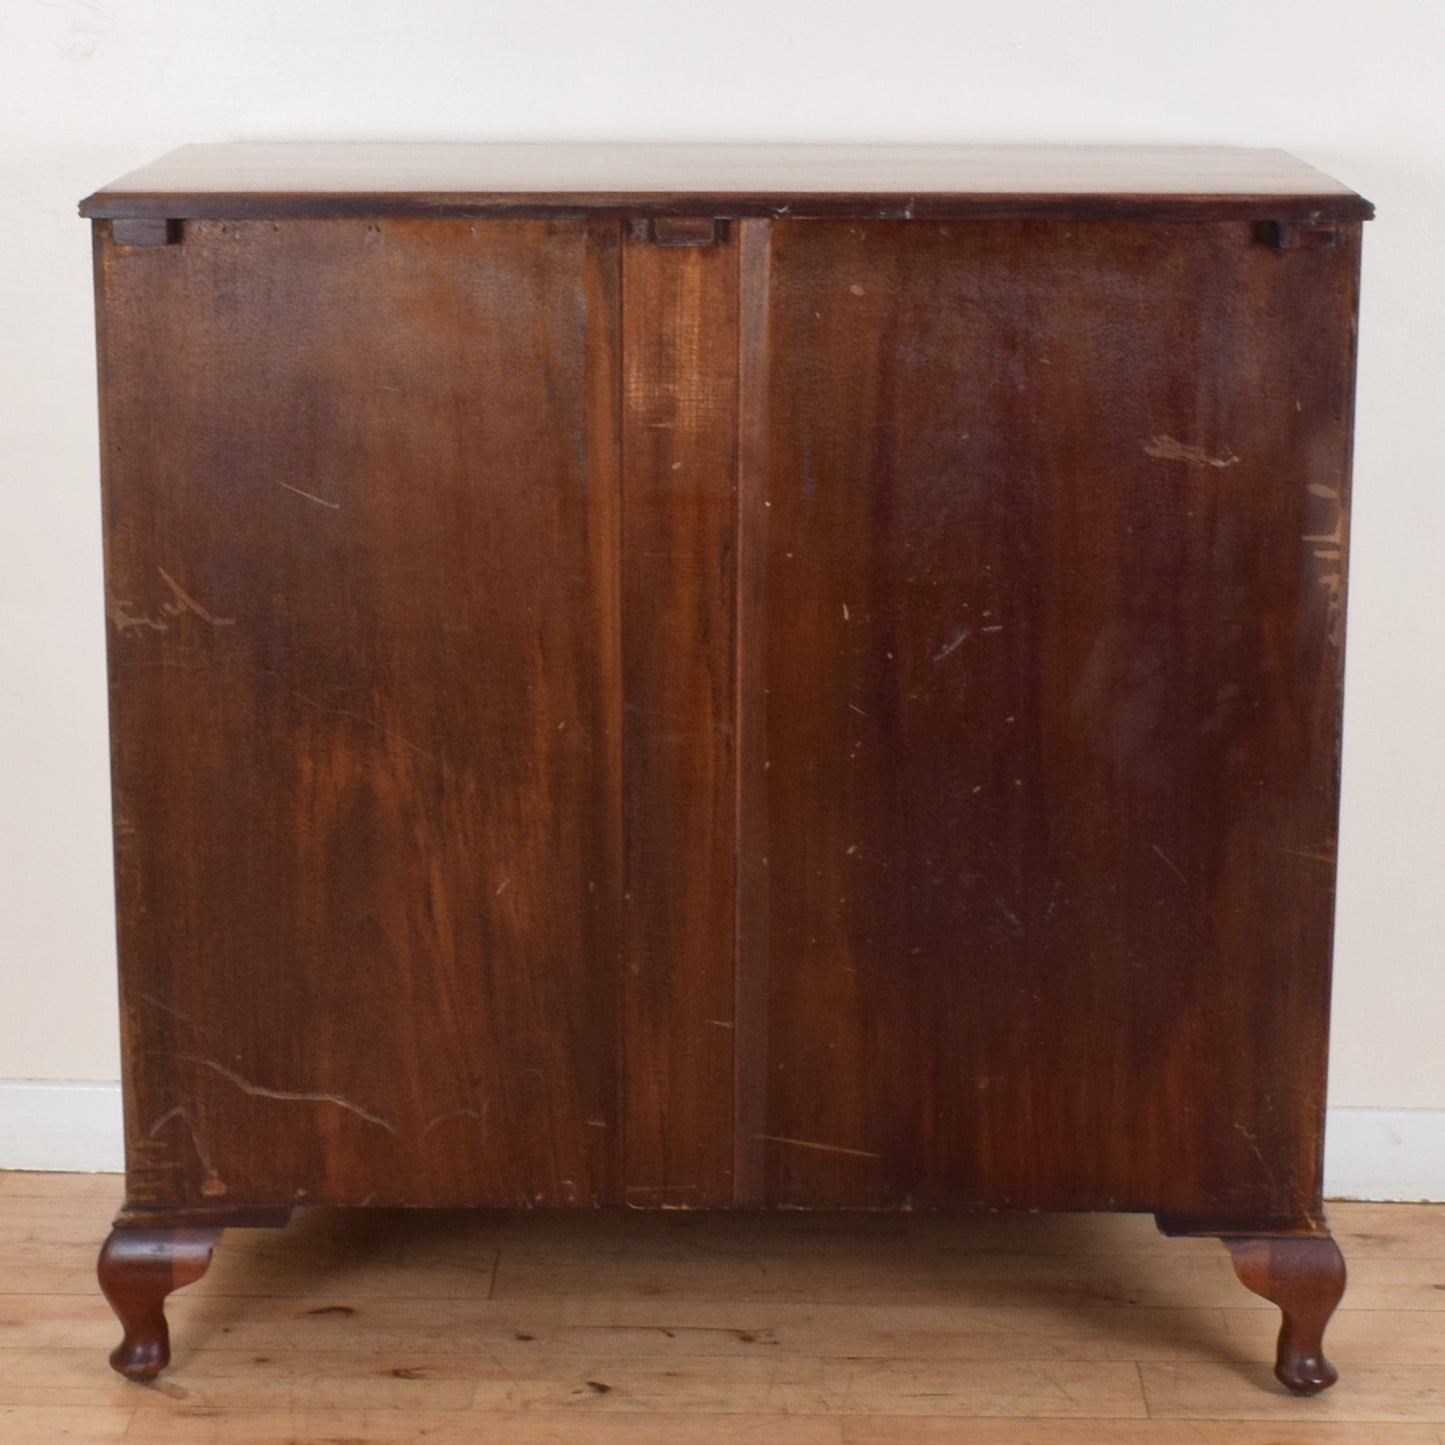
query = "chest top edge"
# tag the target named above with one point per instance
(298, 180)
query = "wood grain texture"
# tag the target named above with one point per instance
(1305, 1278)
(138, 1269)
(361, 502)
(1055, 534)
(750, 965)
(375, 1326)
(679, 434)
(458, 560)
(661, 702)
(271, 180)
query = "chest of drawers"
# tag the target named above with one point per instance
(701, 677)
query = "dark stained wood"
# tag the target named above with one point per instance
(1055, 514)
(679, 341)
(144, 231)
(270, 180)
(1260, 1225)
(750, 966)
(661, 702)
(686, 230)
(1306, 1279)
(209, 1216)
(603, 959)
(361, 603)
(1300, 235)
(138, 1268)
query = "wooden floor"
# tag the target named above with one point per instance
(639, 1329)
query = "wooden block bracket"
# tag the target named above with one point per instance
(686, 231)
(1299, 235)
(145, 231)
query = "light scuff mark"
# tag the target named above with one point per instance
(310, 496)
(953, 643)
(815, 1144)
(124, 620)
(185, 603)
(212, 1185)
(290, 1096)
(1167, 449)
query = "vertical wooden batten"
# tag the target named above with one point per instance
(679, 440)
(750, 1040)
(602, 295)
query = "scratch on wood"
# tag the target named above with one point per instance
(125, 620)
(1014, 922)
(311, 496)
(1248, 1136)
(1169, 863)
(370, 722)
(212, 1185)
(165, 1008)
(455, 1114)
(956, 641)
(1332, 582)
(186, 603)
(1166, 449)
(287, 1095)
(813, 1144)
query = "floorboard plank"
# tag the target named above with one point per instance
(829, 1329)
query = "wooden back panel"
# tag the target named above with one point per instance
(1054, 518)
(846, 715)
(362, 541)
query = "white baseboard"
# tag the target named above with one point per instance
(62, 1125)
(1385, 1154)
(66, 1126)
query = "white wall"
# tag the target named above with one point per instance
(91, 88)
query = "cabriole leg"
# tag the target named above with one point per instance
(1305, 1278)
(138, 1268)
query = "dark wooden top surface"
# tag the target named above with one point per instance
(280, 179)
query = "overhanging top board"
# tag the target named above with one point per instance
(275, 180)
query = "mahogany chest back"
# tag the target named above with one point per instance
(716, 676)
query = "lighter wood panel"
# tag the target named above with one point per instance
(439, 1427)
(1376, 1393)
(876, 1430)
(679, 434)
(42, 1424)
(707, 1328)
